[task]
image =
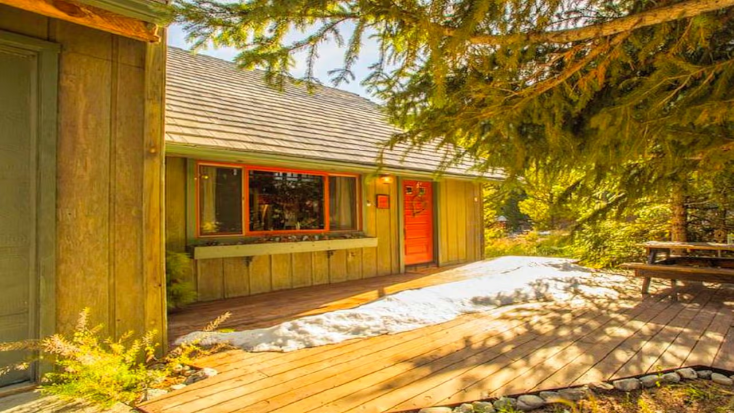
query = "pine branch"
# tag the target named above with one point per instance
(682, 10)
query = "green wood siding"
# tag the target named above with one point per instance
(108, 198)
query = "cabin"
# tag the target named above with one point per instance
(81, 178)
(271, 190)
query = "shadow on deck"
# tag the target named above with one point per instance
(507, 351)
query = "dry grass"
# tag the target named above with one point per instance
(700, 396)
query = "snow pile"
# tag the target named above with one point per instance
(501, 282)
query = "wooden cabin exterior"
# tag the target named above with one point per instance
(81, 151)
(226, 125)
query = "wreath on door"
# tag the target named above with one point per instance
(420, 201)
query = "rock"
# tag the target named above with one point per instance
(435, 410)
(506, 403)
(687, 373)
(153, 393)
(650, 380)
(200, 375)
(721, 379)
(671, 377)
(483, 407)
(529, 402)
(603, 386)
(626, 384)
(704, 374)
(550, 396)
(575, 394)
(178, 386)
(464, 408)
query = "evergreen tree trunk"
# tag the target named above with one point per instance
(720, 231)
(679, 216)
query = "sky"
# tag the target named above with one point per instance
(330, 57)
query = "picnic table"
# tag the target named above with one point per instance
(697, 265)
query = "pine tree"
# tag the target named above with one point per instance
(635, 95)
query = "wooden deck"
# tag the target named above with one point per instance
(508, 351)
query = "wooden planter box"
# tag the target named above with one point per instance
(270, 248)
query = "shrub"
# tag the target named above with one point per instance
(609, 243)
(102, 372)
(179, 290)
(530, 244)
(107, 371)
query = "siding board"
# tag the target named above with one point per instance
(320, 266)
(369, 262)
(260, 275)
(354, 264)
(210, 280)
(281, 272)
(302, 269)
(176, 204)
(127, 195)
(338, 266)
(236, 277)
(83, 272)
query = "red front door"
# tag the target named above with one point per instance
(418, 221)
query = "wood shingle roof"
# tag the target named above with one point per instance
(210, 103)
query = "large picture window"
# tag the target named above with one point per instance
(240, 200)
(285, 201)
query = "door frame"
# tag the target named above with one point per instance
(401, 219)
(45, 96)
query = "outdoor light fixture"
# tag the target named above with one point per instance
(386, 179)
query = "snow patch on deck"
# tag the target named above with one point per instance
(500, 282)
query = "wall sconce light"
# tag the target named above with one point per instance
(386, 179)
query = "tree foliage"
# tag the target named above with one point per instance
(631, 94)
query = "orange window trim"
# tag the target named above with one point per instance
(246, 199)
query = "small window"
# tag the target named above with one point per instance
(220, 200)
(343, 203)
(285, 201)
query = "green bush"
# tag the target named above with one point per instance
(103, 372)
(107, 371)
(179, 290)
(609, 243)
(602, 244)
(530, 244)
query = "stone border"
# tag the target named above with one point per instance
(532, 401)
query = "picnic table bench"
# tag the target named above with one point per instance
(692, 267)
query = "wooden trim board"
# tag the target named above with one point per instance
(90, 16)
(271, 248)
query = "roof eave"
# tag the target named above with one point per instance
(149, 11)
(226, 155)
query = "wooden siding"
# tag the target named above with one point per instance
(460, 222)
(218, 278)
(109, 176)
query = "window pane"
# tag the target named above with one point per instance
(285, 201)
(220, 200)
(342, 202)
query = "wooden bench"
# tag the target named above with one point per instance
(674, 272)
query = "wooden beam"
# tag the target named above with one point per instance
(90, 16)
